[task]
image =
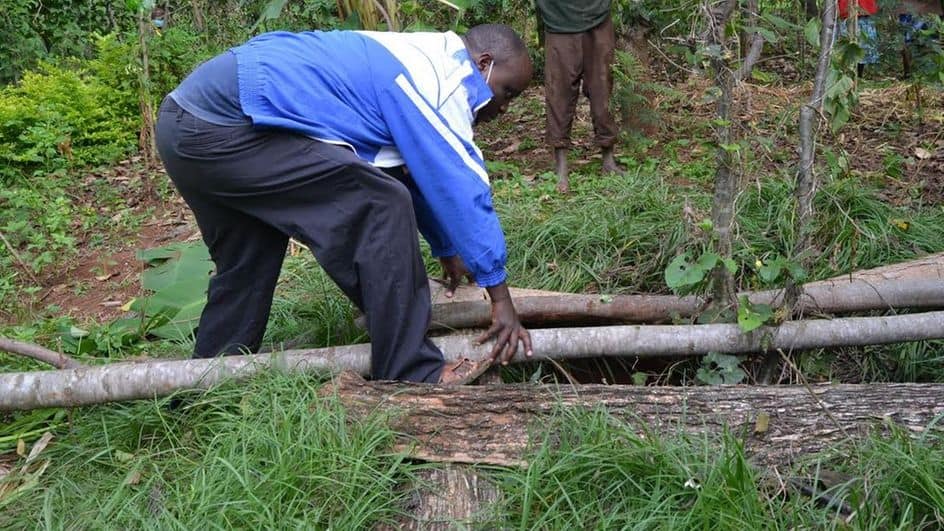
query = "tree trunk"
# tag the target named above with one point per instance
(831, 297)
(492, 424)
(726, 176)
(146, 135)
(806, 183)
(198, 23)
(130, 381)
(750, 13)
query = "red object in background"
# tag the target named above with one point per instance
(870, 7)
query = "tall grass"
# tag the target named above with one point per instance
(268, 454)
(616, 234)
(592, 471)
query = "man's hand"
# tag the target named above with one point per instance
(506, 329)
(453, 271)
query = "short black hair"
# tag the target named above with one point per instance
(497, 39)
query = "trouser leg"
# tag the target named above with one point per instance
(563, 68)
(599, 49)
(247, 252)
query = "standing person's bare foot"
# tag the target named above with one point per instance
(609, 161)
(560, 167)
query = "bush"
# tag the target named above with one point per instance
(57, 118)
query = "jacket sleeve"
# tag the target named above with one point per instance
(451, 180)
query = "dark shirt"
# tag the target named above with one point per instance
(569, 16)
(211, 92)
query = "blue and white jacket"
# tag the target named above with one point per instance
(394, 98)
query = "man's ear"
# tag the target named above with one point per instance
(482, 60)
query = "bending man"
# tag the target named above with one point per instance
(348, 142)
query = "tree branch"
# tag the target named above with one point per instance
(36, 352)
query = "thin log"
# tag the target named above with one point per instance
(498, 424)
(36, 352)
(833, 297)
(130, 381)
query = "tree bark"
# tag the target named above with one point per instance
(834, 297)
(130, 381)
(494, 424)
(447, 498)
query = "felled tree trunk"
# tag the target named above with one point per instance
(493, 424)
(832, 297)
(130, 381)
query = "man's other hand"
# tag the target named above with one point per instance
(453, 271)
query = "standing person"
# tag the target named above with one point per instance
(579, 42)
(915, 23)
(349, 142)
(868, 36)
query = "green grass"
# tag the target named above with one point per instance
(267, 454)
(591, 471)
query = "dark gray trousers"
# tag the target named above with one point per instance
(253, 189)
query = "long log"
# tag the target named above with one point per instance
(833, 297)
(494, 424)
(130, 381)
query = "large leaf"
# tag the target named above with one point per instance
(179, 281)
(272, 11)
(177, 262)
(682, 273)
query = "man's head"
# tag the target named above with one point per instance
(502, 57)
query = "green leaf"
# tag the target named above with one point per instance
(761, 76)
(731, 265)
(811, 31)
(271, 11)
(181, 303)
(778, 22)
(734, 376)
(724, 361)
(183, 261)
(796, 271)
(767, 34)
(770, 271)
(707, 261)
(752, 316)
(682, 273)
(77, 333)
(709, 377)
